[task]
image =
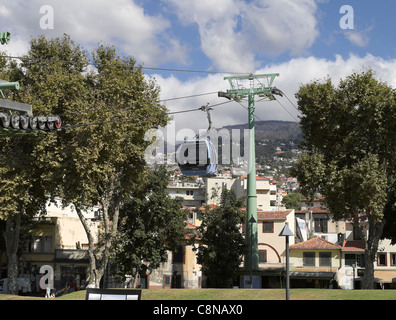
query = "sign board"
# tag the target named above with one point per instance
(113, 294)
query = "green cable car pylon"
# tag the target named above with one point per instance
(259, 85)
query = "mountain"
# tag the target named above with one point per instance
(273, 130)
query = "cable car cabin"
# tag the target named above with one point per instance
(197, 158)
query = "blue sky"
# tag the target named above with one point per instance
(300, 39)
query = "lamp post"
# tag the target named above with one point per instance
(251, 221)
(353, 283)
(286, 232)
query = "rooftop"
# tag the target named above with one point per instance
(315, 210)
(315, 243)
(273, 215)
(353, 245)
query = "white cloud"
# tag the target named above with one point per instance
(359, 38)
(293, 73)
(234, 33)
(119, 22)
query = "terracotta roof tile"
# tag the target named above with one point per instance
(315, 210)
(316, 243)
(352, 245)
(190, 226)
(272, 215)
(191, 231)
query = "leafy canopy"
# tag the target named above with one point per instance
(152, 223)
(221, 243)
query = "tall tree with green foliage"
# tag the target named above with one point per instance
(102, 151)
(221, 242)
(349, 152)
(25, 160)
(152, 224)
(98, 156)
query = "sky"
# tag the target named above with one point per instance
(302, 40)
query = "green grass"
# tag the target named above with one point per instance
(267, 294)
(241, 294)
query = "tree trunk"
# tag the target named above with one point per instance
(136, 280)
(99, 256)
(93, 274)
(11, 236)
(371, 243)
(368, 278)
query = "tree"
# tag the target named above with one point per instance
(102, 154)
(26, 185)
(98, 157)
(222, 244)
(292, 200)
(152, 224)
(350, 147)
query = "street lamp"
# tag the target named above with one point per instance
(251, 221)
(286, 232)
(353, 283)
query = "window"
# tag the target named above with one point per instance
(321, 225)
(167, 281)
(393, 259)
(178, 255)
(325, 259)
(309, 259)
(47, 247)
(357, 259)
(381, 259)
(73, 276)
(360, 260)
(38, 244)
(268, 227)
(262, 256)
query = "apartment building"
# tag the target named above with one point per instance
(266, 191)
(58, 240)
(271, 247)
(192, 194)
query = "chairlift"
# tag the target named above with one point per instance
(198, 156)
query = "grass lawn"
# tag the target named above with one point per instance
(242, 294)
(267, 294)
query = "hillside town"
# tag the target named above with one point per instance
(324, 253)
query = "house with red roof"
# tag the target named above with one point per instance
(314, 263)
(316, 220)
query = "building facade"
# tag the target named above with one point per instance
(59, 241)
